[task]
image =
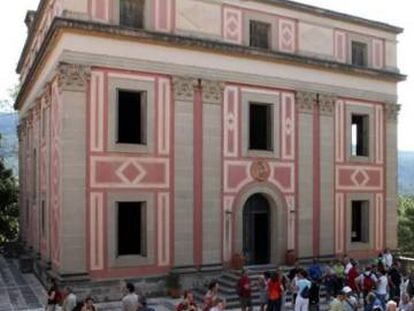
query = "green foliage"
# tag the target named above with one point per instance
(9, 210)
(406, 224)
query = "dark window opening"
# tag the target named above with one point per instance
(359, 54)
(360, 221)
(360, 135)
(131, 117)
(131, 228)
(260, 126)
(43, 218)
(131, 13)
(259, 34)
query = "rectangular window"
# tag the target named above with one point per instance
(360, 221)
(359, 54)
(131, 117)
(360, 135)
(131, 228)
(260, 126)
(131, 13)
(43, 218)
(260, 34)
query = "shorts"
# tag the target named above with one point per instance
(245, 302)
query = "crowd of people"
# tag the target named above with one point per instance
(66, 299)
(379, 285)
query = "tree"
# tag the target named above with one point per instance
(406, 224)
(9, 210)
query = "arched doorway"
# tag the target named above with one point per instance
(256, 230)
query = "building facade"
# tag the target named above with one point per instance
(157, 135)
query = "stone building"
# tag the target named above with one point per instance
(175, 134)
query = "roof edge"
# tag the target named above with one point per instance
(170, 39)
(334, 14)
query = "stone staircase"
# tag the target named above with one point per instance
(227, 288)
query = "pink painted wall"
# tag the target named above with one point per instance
(112, 172)
(240, 171)
(355, 177)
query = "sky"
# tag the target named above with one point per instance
(397, 12)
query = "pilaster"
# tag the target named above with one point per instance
(391, 174)
(184, 92)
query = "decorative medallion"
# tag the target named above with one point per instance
(260, 170)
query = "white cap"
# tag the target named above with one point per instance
(347, 290)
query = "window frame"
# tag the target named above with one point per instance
(133, 27)
(365, 132)
(353, 37)
(134, 85)
(364, 221)
(264, 18)
(365, 53)
(148, 19)
(270, 131)
(269, 32)
(143, 122)
(369, 244)
(354, 108)
(269, 98)
(143, 228)
(116, 261)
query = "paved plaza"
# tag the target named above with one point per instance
(20, 291)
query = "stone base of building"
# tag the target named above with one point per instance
(108, 290)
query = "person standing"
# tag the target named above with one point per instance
(274, 290)
(388, 260)
(314, 296)
(219, 305)
(188, 303)
(244, 292)
(130, 300)
(350, 303)
(69, 303)
(382, 288)
(88, 305)
(211, 296)
(262, 286)
(54, 296)
(394, 280)
(303, 286)
(336, 303)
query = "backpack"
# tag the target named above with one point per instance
(305, 292)
(368, 282)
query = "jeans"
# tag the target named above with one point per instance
(274, 305)
(301, 304)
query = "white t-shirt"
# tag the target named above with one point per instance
(130, 302)
(382, 285)
(388, 259)
(348, 267)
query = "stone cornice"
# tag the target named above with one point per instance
(281, 3)
(97, 29)
(184, 88)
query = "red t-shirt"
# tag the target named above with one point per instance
(244, 288)
(274, 290)
(352, 275)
